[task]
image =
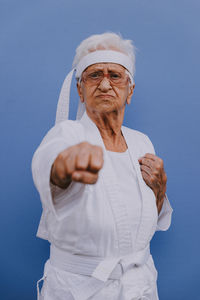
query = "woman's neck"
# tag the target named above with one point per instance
(109, 125)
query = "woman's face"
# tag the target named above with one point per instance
(105, 87)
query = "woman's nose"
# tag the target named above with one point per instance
(104, 85)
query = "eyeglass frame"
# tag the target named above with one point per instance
(105, 75)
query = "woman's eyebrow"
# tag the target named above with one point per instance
(111, 69)
(117, 71)
(94, 70)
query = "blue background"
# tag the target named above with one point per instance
(38, 41)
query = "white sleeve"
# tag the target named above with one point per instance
(165, 215)
(56, 140)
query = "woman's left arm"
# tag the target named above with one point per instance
(153, 173)
(156, 178)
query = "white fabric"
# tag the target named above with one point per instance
(129, 188)
(98, 271)
(62, 112)
(89, 59)
(92, 220)
(105, 56)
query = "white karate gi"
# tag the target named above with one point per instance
(94, 252)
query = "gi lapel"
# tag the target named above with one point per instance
(149, 211)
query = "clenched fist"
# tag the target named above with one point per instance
(153, 173)
(80, 163)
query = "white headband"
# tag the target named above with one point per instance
(98, 56)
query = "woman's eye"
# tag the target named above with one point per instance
(94, 75)
(115, 76)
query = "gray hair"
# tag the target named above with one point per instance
(105, 41)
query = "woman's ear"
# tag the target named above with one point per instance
(80, 91)
(131, 89)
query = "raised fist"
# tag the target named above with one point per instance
(80, 163)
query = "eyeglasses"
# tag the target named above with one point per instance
(95, 77)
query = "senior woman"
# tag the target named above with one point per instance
(101, 185)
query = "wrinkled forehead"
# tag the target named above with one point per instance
(105, 67)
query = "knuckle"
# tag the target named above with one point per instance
(68, 171)
(60, 174)
(97, 165)
(81, 164)
(158, 166)
(85, 149)
(156, 173)
(99, 148)
(156, 170)
(152, 179)
(84, 144)
(57, 168)
(60, 156)
(82, 154)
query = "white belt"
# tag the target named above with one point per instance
(99, 269)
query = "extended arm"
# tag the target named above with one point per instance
(56, 160)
